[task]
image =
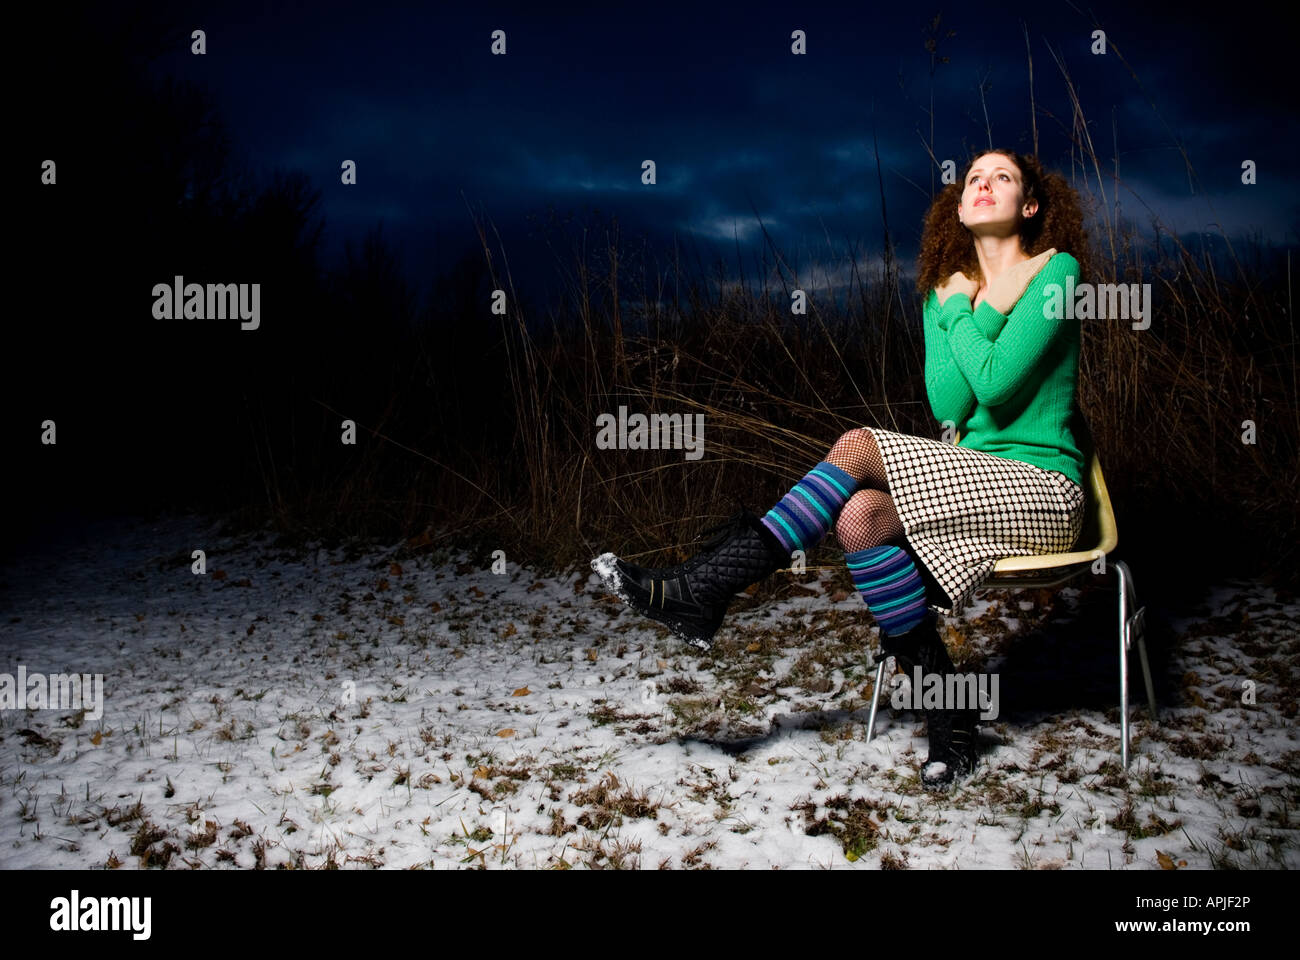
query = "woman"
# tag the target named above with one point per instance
(922, 522)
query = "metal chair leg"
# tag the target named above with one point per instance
(1131, 627)
(875, 698)
(1137, 631)
(1146, 676)
(1121, 571)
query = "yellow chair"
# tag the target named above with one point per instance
(1098, 538)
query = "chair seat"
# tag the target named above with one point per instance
(1036, 563)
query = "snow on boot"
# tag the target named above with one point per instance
(691, 598)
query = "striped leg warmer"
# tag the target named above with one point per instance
(803, 517)
(889, 583)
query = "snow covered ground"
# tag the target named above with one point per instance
(391, 709)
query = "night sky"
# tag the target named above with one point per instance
(739, 127)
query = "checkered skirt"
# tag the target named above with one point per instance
(963, 510)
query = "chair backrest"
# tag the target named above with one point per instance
(1099, 530)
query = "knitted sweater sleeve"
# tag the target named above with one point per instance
(950, 395)
(997, 352)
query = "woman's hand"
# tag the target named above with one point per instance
(1010, 285)
(957, 283)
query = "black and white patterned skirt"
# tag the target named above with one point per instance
(963, 510)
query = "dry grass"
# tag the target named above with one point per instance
(610, 802)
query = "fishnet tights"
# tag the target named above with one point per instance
(869, 518)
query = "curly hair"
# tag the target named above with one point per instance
(947, 245)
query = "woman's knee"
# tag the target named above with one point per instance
(856, 437)
(867, 519)
(857, 454)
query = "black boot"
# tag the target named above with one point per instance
(691, 598)
(951, 732)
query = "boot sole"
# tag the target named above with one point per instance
(604, 568)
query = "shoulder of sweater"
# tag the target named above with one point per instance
(1060, 266)
(1055, 270)
(930, 303)
(1061, 263)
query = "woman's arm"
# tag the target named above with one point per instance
(950, 395)
(996, 352)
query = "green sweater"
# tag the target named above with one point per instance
(1011, 392)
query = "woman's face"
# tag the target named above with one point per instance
(992, 199)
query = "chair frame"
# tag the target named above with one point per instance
(1051, 570)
